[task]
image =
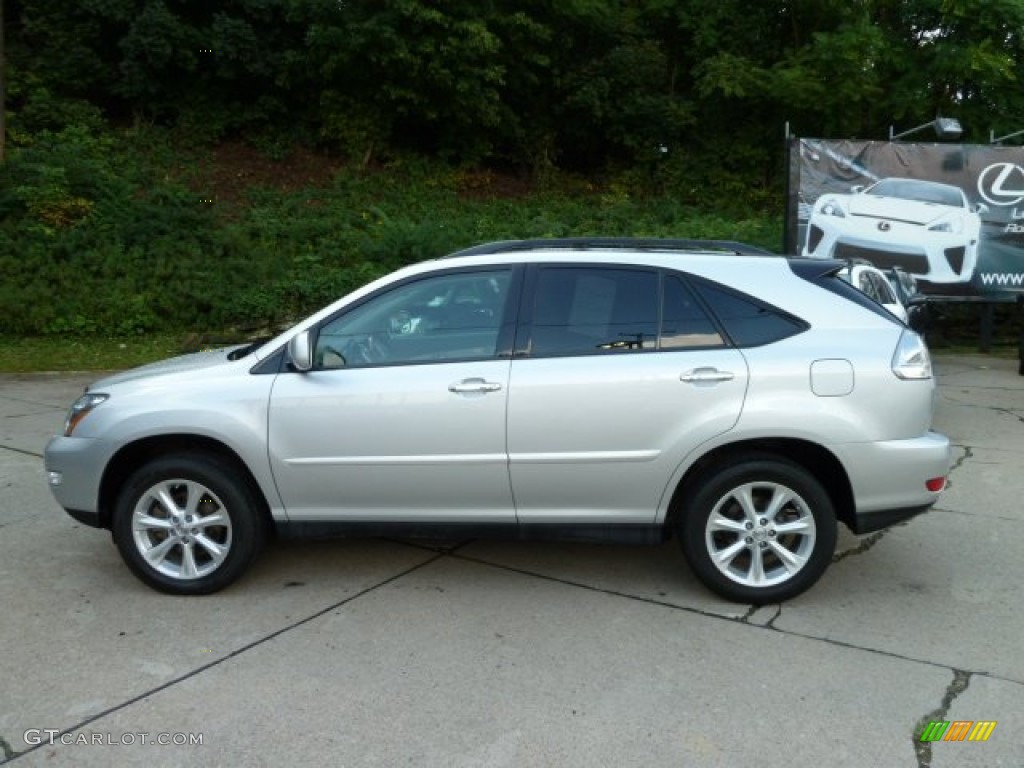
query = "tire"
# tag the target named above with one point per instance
(187, 525)
(760, 530)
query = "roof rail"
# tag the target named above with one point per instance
(596, 243)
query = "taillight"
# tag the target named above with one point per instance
(911, 360)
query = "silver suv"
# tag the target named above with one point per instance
(581, 389)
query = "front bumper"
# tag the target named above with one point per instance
(936, 256)
(74, 469)
(888, 478)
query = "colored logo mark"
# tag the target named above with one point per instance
(958, 730)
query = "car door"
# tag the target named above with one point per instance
(403, 414)
(618, 374)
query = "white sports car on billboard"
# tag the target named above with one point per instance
(926, 228)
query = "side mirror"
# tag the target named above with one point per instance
(300, 352)
(857, 189)
(980, 208)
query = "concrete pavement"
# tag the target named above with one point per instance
(385, 653)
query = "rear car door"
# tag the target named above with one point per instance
(618, 374)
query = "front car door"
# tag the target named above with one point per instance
(403, 415)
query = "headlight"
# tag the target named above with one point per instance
(954, 226)
(831, 208)
(81, 408)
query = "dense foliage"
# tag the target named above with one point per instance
(574, 83)
(641, 117)
(119, 237)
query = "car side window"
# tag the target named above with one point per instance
(883, 290)
(594, 310)
(867, 287)
(449, 317)
(683, 322)
(747, 321)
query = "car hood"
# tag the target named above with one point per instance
(193, 362)
(898, 208)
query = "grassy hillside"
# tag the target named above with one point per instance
(104, 234)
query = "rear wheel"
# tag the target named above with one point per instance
(186, 525)
(761, 530)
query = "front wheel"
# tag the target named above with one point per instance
(186, 526)
(762, 530)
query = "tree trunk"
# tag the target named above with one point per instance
(3, 110)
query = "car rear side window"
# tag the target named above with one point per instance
(747, 321)
(593, 310)
(684, 323)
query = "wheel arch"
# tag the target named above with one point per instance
(132, 456)
(814, 458)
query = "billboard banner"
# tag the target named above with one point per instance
(951, 215)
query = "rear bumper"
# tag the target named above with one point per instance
(869, 522)
(888, 478)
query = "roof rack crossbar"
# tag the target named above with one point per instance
(596, 243)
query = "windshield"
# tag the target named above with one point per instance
(922, 191)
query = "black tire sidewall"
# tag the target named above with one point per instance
(247, 526)
(698, 506)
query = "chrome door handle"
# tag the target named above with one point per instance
(473, 385)
(706, 376)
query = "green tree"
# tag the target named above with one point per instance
(419, 74)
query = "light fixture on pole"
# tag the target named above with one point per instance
(945, 128)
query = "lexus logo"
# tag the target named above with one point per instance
(885, 226)
(1002, 184)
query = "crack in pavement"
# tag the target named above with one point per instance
(865, 544)
(950, 391)
(923, 749)
(1009, 412)
(8, 753)
(237, 652)
(39, 403)
(975, 515)
(745, 618)
(21, 451)
(731, 619)
(443, 546)
(967, 454)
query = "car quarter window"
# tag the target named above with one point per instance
(747, 321)
(446, 317)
